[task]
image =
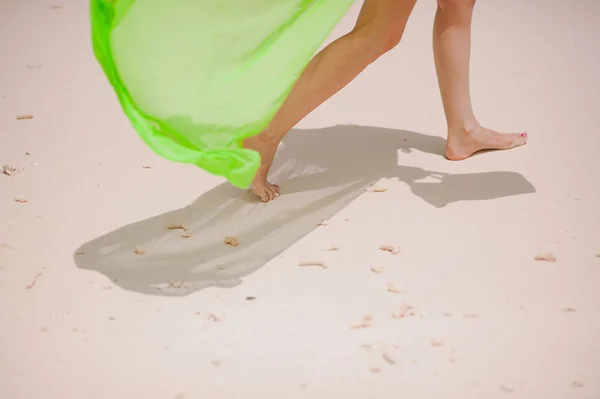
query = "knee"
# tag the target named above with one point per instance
(456, 5)
(378, 40)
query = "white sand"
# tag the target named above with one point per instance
(469, 231)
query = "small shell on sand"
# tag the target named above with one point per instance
(24, 117)
(231, 241)
(139, 251)
(333, 248)
(377, 270)
(546, 257)
(394, 249)
(316, 263)
(20, 200)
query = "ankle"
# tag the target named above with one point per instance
(463, 127)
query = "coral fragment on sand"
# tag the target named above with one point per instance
(366, 323)
(376, 189)
(578, 384)
(317, 263)
(20, 200)
(231, 241)
(10, 170)
(35, 279)
(402, 311)
(392, 288)
(394, 249)
(388, 358)
(546, 257)
(185, 231)
(507, 388)
(177, 227)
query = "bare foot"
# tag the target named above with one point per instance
(260, 186)
(463, 144)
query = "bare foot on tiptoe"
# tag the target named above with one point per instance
(260, 186)
(466, 143)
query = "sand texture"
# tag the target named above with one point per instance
(384, 270)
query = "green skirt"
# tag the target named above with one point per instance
(197, 77)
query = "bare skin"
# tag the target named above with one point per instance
(452, 50)
(379, 28)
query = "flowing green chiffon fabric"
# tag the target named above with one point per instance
(197, 77)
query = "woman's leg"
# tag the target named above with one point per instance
(452, 48)
(378, 29)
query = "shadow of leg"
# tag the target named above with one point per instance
(321, 171)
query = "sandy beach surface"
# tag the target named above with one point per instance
(115, 281)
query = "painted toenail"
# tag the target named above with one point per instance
(523, 134)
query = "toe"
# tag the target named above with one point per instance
(519, 139)
(264, 196)
(261, 193)
(270, 194)
(267, 192)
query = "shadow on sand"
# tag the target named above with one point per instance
(321, 171)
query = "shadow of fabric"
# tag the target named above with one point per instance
(321, 171)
